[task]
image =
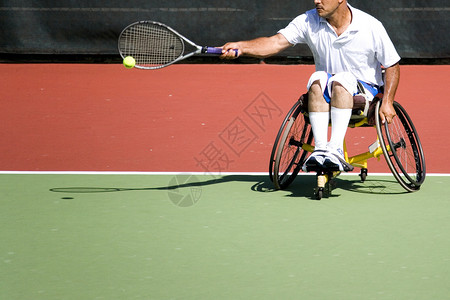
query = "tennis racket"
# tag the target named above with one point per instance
(154, 45)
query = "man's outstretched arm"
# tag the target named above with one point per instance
(260, 47)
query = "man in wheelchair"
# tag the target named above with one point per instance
(349, 48)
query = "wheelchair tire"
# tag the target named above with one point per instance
(287, 155)
(402, 148)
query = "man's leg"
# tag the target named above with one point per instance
(319, 112)
(319, 115)
(343, 87)
(341, 111)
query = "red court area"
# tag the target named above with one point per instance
(184, 118)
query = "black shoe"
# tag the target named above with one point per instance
(315, 161)
(335, 162)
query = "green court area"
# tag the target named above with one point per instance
(225, 237)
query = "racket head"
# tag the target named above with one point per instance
(153, 45)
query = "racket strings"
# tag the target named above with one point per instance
(151, 44)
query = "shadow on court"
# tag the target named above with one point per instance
(302, 187)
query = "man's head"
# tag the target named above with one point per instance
(327, 8)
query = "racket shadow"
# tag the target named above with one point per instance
(260, 183)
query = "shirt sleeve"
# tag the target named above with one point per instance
(295, 32)
(386, 53)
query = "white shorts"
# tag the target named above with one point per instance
(346, 79)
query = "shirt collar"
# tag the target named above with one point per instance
(356, 20)
(355, 25)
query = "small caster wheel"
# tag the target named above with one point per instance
(363, 174)
(319, 193)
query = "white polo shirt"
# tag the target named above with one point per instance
(360, 50)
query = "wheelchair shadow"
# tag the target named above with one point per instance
(372, 185)
(302, 187)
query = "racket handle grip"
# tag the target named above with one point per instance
(218, 51)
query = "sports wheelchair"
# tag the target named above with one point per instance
(398, 142)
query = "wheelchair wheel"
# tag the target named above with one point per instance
(288, 156)
(402, 149)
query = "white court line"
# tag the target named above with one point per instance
(175, 173)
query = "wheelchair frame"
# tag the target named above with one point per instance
(398, 142)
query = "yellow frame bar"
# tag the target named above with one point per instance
(359, 160)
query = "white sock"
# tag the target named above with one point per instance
(339, 124)
(319, 125)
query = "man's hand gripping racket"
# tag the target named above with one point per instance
(154, 45)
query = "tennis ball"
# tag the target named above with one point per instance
(129, 62)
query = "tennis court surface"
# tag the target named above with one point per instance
(229, 237)
(109, 190)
